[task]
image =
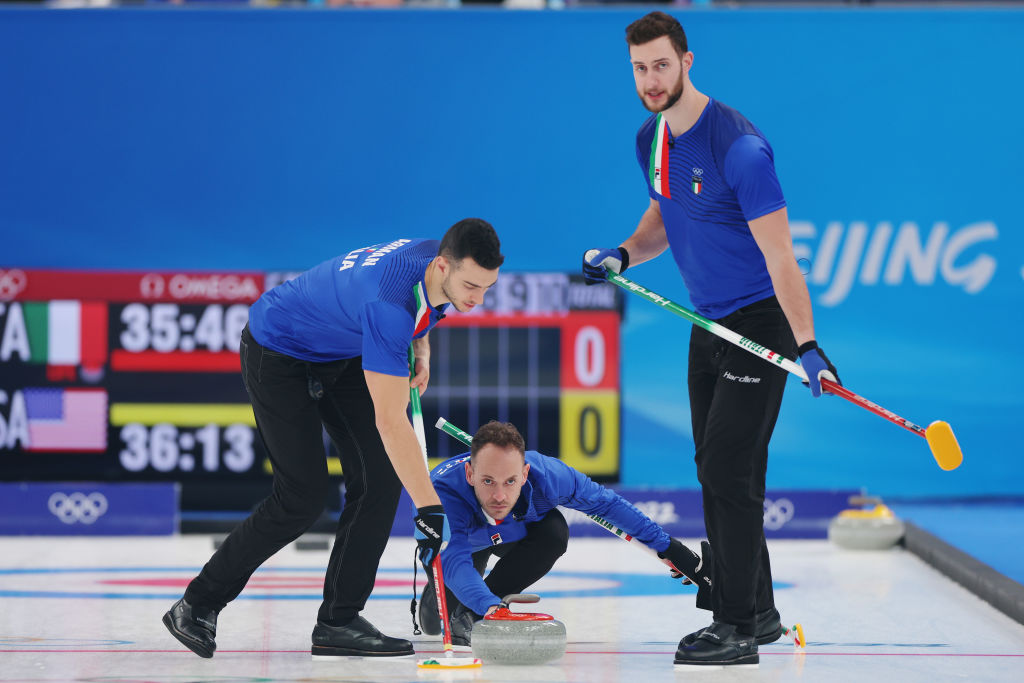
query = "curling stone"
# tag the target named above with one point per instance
(508, 637)
(866, 529)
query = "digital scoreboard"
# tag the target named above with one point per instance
(135, 375)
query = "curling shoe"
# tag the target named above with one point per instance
(194, 627)
(358, 638)
(430, 622)
(462, 626)
(718, 645)
(769, 628)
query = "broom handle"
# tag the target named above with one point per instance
(435, 566)
(939, 435)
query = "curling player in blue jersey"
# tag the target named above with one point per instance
(501, 500)
(329, 351)
(716, 203)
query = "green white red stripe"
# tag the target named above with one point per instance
(422, 309)
(658, 166)
(67, 333)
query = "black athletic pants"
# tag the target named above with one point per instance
(522, 563)
(734, 401)
(292, 401)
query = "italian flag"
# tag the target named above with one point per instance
(422, 310)
(658, 166)
(67, 333)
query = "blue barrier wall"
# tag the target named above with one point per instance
(222, 139)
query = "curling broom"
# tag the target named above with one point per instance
(449, 661)
(938, 434)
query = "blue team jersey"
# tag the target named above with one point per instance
(550, 483)
(370, 302)
(709, 182)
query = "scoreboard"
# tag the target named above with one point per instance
(135, 375)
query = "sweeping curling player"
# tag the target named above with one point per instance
(449, 661)
(939, 434)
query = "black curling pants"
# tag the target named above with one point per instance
(293, 401)
(522, 563)
(734, 402)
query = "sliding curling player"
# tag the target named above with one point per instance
(501, 500)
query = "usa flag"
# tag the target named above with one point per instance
(66, 419)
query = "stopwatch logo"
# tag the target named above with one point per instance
(777, 512)
(11, 283)
(77, 507)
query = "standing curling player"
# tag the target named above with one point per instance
(501, 500)
(716, 203)
(329, 350)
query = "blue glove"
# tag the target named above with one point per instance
(817, 366)
(596, 262)
(432, 533)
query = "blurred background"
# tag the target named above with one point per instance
(161, 164)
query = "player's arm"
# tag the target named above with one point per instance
(461, 577)
(771, 232)
(390, 396)
(647, 241)
(421, 348)
(579, 492)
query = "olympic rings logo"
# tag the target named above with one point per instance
(12, 282)
(77, 507)
(778, 512)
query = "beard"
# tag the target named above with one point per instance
(446, 290)
(673, 96)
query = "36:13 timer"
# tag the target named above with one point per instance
(166, 447)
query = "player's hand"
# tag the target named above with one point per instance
(686, 563)
(598, 261)
(817, 366)
(432, 533)
(422, 376)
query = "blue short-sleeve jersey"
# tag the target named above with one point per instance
(370, 302)
(709, 182)
(550, 483)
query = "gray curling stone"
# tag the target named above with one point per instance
(507, 637)
(875, 529)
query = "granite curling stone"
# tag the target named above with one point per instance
(874, 529)
(508, 637)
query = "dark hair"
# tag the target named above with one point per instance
(655, 25)
(501, 434)
(473, 237)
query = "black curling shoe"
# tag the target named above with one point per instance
(462, 626)
(358, 638)
(769, 628)
(718, 645)
(194, 627)
(430, 622)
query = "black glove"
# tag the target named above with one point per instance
(597, 262)
(685, 562)
(432, 533)
(708, 568)
(817, 366)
